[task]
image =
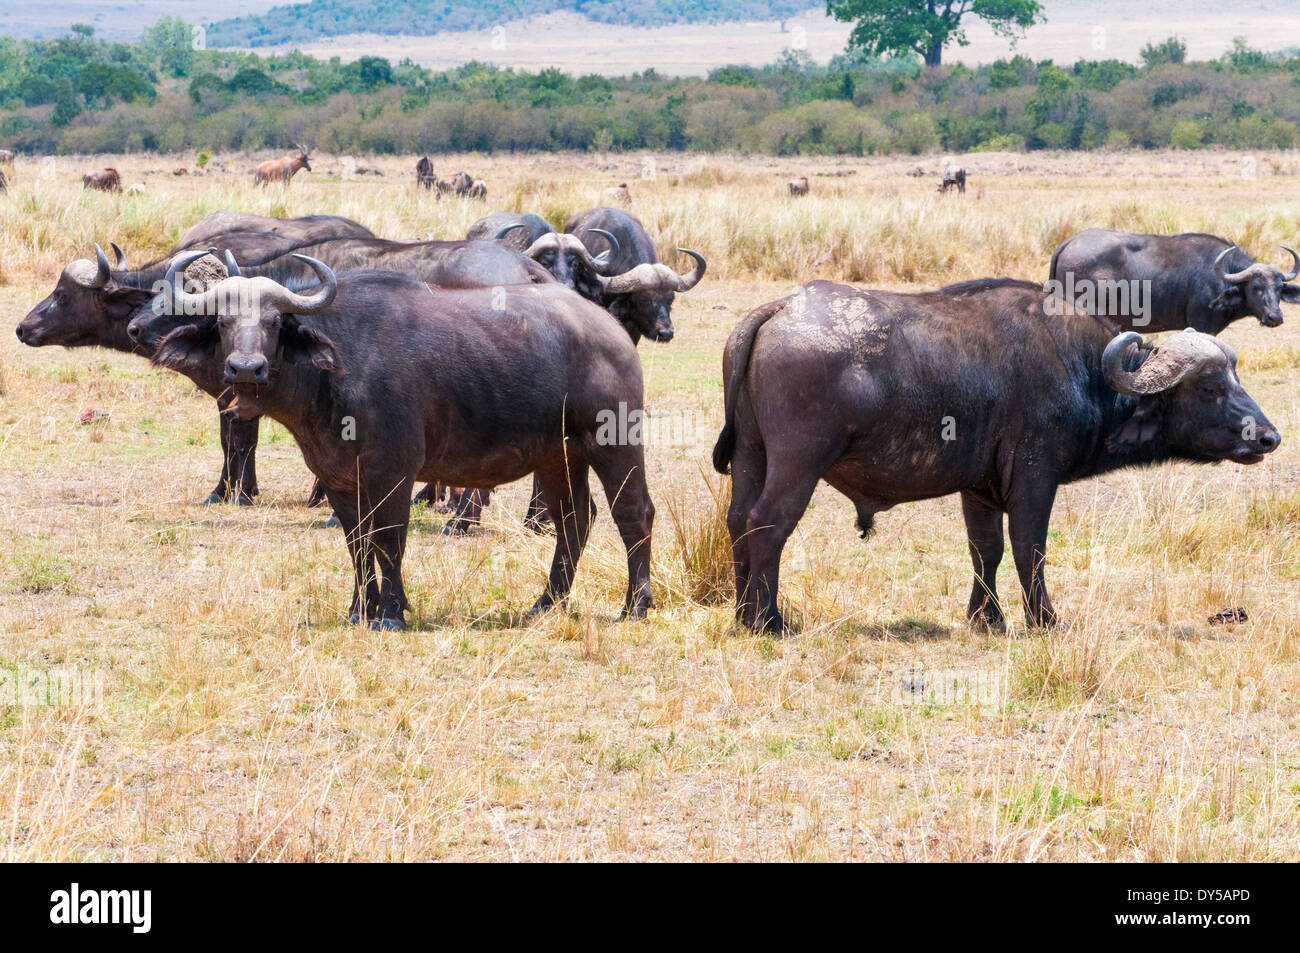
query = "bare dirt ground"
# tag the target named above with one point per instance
(240, 718)
(1101, 29)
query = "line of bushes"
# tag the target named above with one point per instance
(78, 94)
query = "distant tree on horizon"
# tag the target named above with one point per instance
(925, 27)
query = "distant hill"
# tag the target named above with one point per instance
(303, 22)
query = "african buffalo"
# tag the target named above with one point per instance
(641, 292)
(304, 228)
(424, 173)
(93, 304)
(510, 227)
(491, 385)
(1166, 282)
(892, 397)
(281, 170)
(451, 264)
(102, 180)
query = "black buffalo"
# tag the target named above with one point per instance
(640, 294)
(93, 304)
(1165, 282)
(891, 398)
(448, 264)
(513, 228)
(304, 228)
(383, 381)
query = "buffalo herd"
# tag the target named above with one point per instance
(466, 364)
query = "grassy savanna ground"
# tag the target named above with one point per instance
(241, 719)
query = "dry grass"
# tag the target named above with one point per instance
(241, 720)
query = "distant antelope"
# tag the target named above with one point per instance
(798, 186)
(281, 170)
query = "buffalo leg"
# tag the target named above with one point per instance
(536, 518)
(432, 495)
(984, 535)
(238, 457)
(469, 511)
(365, 587)
(389, 524)
(1029, 517)
(243, 468)
(748, 467)
(567, 494)
(787, 490)
(621, 471)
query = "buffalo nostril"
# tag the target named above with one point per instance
(664, 335)
(22, 333)
(1269, 440)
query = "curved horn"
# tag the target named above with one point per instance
(124, 266)
(102, 273)
(1170, 362)
(1295, 260)
(182, 301)
(692, 278)
(1112, 363)
(232, 266)
(509, 228)
(1230, 277)
(311, 304)
(609, 237)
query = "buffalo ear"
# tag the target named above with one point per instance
(1142, 427)
(305, 345)
(1230, 300)
(1291, 294)
(186, 349)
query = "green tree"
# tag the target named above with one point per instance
(1172, 50)
(925, 27)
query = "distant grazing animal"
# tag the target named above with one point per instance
(953, 176)
(424, 173)
(4, 185)
(478, 190)
(489, 386)
(1184, 280)
(136, 189)
(281, 170)
(894, 397)
(102, 180)
(180, 170)
(798, 186)
(461, 183)
(6, 157)
(619, 195)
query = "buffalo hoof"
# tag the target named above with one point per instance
(542, 606)
(244, 500)
(457, 528)
(634, 614)
(994, 625)
(213, 498)
(332, 522)
(387, 625)
(354, 619)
